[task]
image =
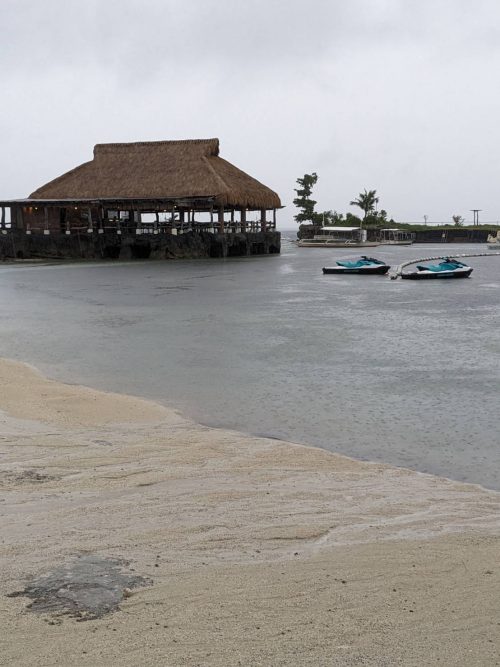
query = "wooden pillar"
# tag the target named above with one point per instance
(3, 217)
(274, 218)
(232, 220)
(46, 217)
(20, 220)
(221, 219)
(62, 220)
(17, 212)
(90, 226)
(262, 219)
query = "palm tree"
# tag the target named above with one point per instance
(366, 201)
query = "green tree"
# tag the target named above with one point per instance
(352, 220)
(303, 199)
(458, 220)
(333, 218)
(366, 201)
(328, 218)
(378, 219)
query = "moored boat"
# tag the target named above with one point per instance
(364, 265)
(448, 268)
(339, 237)
(328, 243)
(396, 237)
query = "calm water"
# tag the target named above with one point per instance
(397, 371)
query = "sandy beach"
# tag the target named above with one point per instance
(252, 551)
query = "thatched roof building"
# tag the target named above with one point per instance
(163, 171)
(171, 187)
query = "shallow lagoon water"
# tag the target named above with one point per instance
(396, 371)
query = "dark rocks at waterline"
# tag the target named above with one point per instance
(81, 245)
(87, 588)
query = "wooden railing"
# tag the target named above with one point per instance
(154, 228)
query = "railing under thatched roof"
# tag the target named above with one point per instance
(162, 170)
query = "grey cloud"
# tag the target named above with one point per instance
(393, 94)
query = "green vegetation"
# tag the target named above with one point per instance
(366, 201)
(303, 199)
(422, 227)
(306, 205)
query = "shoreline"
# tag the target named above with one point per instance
(170, 410)
(45, 374)
(307, 539)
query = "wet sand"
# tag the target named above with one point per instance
(259, 552)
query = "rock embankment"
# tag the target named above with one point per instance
(80, 245)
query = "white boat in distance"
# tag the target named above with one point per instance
(339, 237)
(396, 237)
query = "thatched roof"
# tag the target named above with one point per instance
(161, 170)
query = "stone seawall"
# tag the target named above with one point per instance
(16, 244)
(452, 235)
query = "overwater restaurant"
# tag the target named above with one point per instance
(157, 187)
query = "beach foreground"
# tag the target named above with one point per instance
(253, 551)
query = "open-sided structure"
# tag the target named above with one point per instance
(175, 182)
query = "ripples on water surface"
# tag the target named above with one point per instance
(397, 371)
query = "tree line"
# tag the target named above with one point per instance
(367, 201)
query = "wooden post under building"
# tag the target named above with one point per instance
(221, 219)
(263, 220)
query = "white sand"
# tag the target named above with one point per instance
(260, 552)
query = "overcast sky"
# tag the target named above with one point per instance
(401, 96)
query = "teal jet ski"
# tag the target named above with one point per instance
(448, 268)
(364, 265)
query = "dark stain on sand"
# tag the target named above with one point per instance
(86, 588)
